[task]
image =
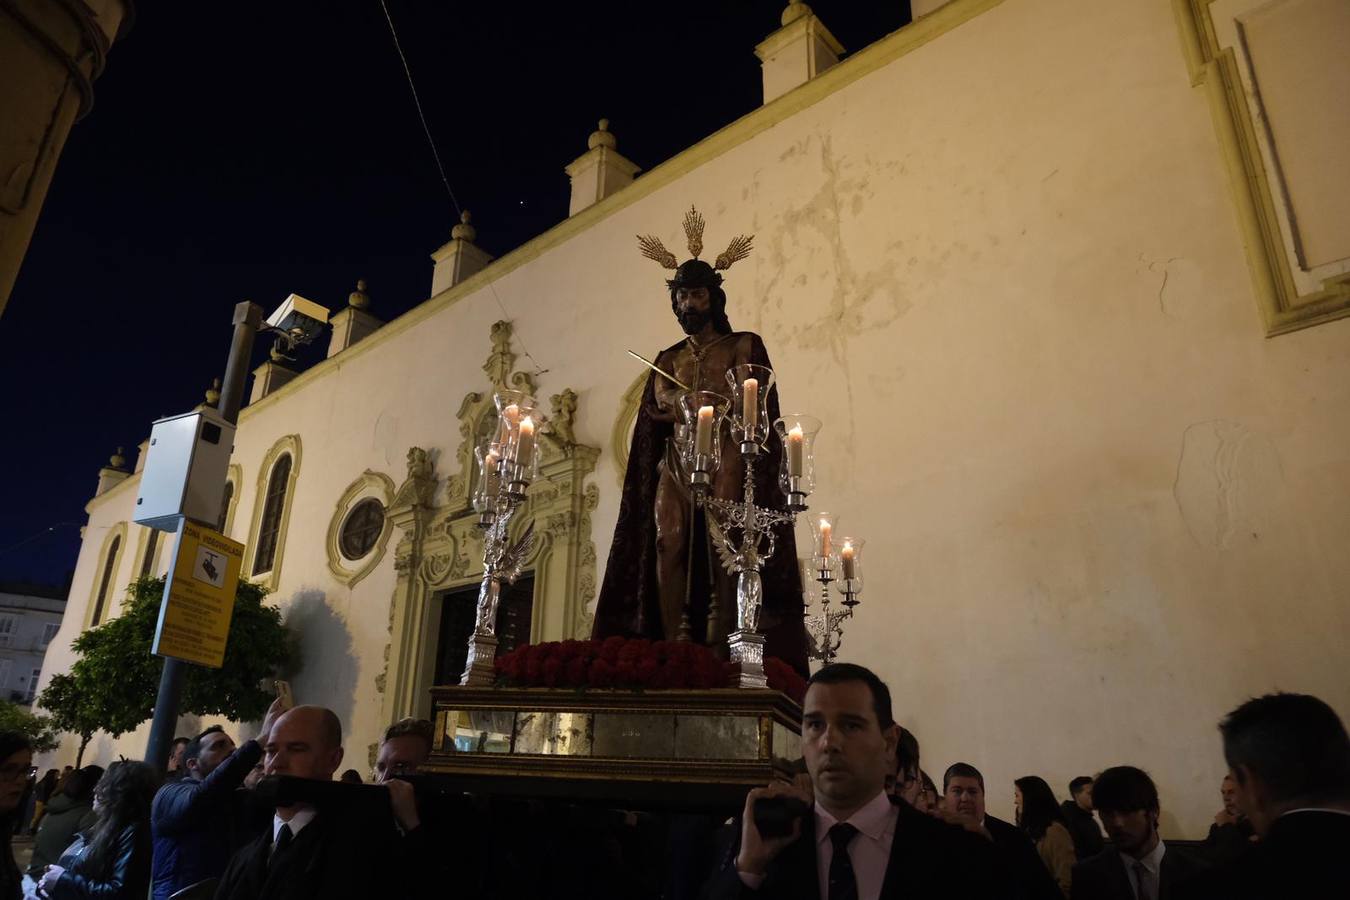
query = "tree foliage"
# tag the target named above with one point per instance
(40, 729)
(112, 686)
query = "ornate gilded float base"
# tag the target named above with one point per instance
(666, 749)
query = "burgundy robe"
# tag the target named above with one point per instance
(630, 603)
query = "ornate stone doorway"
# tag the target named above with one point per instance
(440, 549)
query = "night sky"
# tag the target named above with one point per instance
(275, 148)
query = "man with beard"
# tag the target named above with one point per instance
(1137, 864)
(199, 820)
(661, 554)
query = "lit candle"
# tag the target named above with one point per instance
(703, 431)
(846, 557)
(750, 403)
(525, 447)
(826, 548)
(507, 424)
(795, 447)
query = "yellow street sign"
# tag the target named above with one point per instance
(194, 619)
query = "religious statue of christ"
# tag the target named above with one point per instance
(662, 579)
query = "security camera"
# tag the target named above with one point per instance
(299, 318)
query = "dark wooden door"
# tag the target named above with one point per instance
(458, 609)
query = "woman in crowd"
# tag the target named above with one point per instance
(68, 812)
(44, 791)
(111, 861)
(1039, 816)
(16, 757)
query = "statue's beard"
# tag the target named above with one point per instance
(693, 321)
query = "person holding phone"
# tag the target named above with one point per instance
(853, 840)
(194, 821)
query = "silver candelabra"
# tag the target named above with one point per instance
(507, 464)
(743, 531)
(825, 629)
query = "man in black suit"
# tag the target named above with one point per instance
(309, 852)
(1137, 865)
(1083, 828)
(853, 842)
(1290, 760)
(1024, 873)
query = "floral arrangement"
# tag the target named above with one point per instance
(631, 663)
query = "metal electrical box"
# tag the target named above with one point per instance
(185, 469)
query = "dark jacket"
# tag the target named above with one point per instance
(195, 823)
(1226, 843)
(929, 859)
(333, 856)
(127, 878)
(1087, 836)
(1103, 877)
(11, 882)
(1303, 855)
(1026, 876)
(64, 818)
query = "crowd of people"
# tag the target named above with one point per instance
(862, 820)
(1286, 814)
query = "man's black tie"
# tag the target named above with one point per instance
(843, 882)
(284, 838)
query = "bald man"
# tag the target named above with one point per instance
(309, 852)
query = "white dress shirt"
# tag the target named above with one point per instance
(1152, 869)
(870, 849)
(299, 820)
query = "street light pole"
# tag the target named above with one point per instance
(248, 320)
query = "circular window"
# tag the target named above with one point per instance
(362, 528)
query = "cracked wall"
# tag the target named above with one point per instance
(1101, 508)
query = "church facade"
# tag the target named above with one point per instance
(1076, 341)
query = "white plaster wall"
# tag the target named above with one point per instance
(1101, 508)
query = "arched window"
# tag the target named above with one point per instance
(151, 545)
(109, 567)
(225, 506)
(269, 527)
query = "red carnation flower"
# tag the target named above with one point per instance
(575, 674)
(645, 674)
(601, 674)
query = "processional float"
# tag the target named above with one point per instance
(634, 745)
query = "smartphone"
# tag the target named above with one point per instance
(284, 692)
(774, 815)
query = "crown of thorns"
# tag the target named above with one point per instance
(652, 248)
